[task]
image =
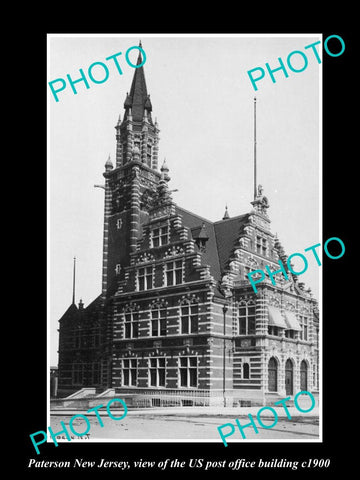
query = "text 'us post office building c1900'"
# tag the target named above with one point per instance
(178, 322)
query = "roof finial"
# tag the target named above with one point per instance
(226, 214)
(109, 165)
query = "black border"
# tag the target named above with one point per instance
(30, 284)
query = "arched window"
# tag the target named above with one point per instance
(303, 375)
(289, 377)
(246, 370)
(272, 375)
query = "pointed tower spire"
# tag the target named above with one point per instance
(137, 128)
(138, 99)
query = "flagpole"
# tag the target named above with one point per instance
(255, 180)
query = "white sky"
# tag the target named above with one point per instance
(203, 101)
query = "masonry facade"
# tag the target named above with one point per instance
(177, 321)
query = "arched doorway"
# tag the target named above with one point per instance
(289, 377)
(272, 374)
(303, 375)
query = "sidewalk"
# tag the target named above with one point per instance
(234, 412)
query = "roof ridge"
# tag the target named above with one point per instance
(232, 218)
(195, 214)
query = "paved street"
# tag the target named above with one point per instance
(158, 425)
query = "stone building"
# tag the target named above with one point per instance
(177, 321)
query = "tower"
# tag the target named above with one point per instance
(131, 186)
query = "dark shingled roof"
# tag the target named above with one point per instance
(82, 314)
(70, 313)
(194, 223)
(138, 98)
(222, 238)
(227, 233)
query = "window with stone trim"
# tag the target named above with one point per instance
(188, 370)
(158, 321)
(131, 323)
(145, 278)
(246, 318)
(273, 330)
(174, 272)
(160, 236)
(129, 372)
(148, 154)
(261, 245)
(189, 317)
(157, 372)
(304, 324)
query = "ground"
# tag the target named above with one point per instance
(157, 425)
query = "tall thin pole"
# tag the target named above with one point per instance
(255, 180)
(73, 297)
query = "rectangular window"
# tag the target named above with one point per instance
(273, 330)
(247, 317)
(304, 327)
(129, 372)
(264, 247)
(145, 278)
(131, 324)
(174, 273)
(258, 244)
(158, 322)
(148, 155)
(188, 372)
(189, 318)
(261, 245)
(160, 236)
(157, 372)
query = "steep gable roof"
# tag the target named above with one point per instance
(70, 313)
(194, 223)
(222, 234)
(227, 233)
